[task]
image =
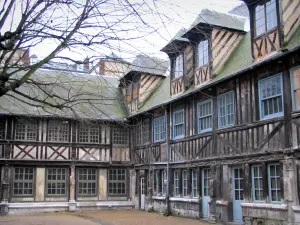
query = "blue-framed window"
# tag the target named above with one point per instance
(274, 183)
(176, 183)
(178, 124)
(203, 56)
(257, 184)
(205, 116)
(184, 183)
(194, 183)
(270, 97)
(295, 79)
(265, 16)
(226, 109)
(159, 129)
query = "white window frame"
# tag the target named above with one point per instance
(176, 125)
(184, 183)
(159, 129)
(176, 183)
(203, 104)
(85, 132)
(178, 66)
(203, 53)
(277, 189)
(227, 124)
(293, 89)
(195, 183)
(261, 100)
(260, 182)
(58, 131)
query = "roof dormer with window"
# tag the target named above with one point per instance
(273, 22)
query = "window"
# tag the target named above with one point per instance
(265, 16)
(184, 183)
(120, 135)
(203, 57)
(159, 129)
(23, 181)
(26, 130)
(178, 124)
(146, 130)
(178, 66)
(271, 99)
(89, 133)
(205, 116)
(194, 183)
(295, 79)
(142, 132)
(157, 182)
(58, 131)
(205, 181)
(56, 181)
(162, 182)
(138, 133)
(274, 183)
(257, 185)
(117, 182)
(87, 182)
(226, 109)
(176, 183)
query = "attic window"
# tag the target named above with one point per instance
(178, 66)
(265, 17)
(203, 53)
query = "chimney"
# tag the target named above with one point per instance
(86, 64)
(101, 67)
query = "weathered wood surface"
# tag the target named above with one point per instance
(177, 86)
(202, 75)
(148, 154)
(148, 84)
(189, 65)
(296, 132)
(290, 17)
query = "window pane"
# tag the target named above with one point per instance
(120, 135)
(271, 14)
(203, 53)
(260, 19)
(117, 182)
(178, 66)
(226, 109)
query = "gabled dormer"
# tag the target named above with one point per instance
(180, 52)
(144, 76)
(214, 36)
(272, 23)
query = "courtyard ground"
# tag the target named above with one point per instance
(98, 218)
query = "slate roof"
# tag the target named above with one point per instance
(95, 97)
(149, 65)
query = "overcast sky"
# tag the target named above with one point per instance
(176, 14)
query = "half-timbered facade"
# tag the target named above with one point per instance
(217, 139)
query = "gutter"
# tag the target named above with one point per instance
(249, 68)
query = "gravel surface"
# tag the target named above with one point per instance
(98, 218)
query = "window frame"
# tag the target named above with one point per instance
(199, 118)
(179, 124)
(202, 53)
(109, 181)
(195, 177)
(123, 132)
(89, 126)
(261, 112)
(66, 181)
(26, 132)
(179, 73)
(78, 181)
(293, 90)
(277, 176)
(184, 183)
(58, 132)
(24, 181)
(226, 113)
(161, 129)
(261, 186)
(176, 190)
(264, 4)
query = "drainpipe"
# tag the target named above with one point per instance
(168, 159)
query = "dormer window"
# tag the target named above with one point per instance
(265, 16)
(178, 66)
(203, 57)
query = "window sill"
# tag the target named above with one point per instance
(273, 206)
(182, 199)
(272, 117)
(159, 197)
(178, 138)
(205, 131)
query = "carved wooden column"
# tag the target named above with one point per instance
(72, 203)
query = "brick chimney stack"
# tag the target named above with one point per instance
(86, 64)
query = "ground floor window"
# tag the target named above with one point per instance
(159, 182)
(117, 182)
(184, 183)
(195, 183)
(23, 181)
(56, 181)
(176, 183)
(87, 182)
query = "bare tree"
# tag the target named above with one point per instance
(70, 28)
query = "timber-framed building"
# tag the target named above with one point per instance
(217, 139)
